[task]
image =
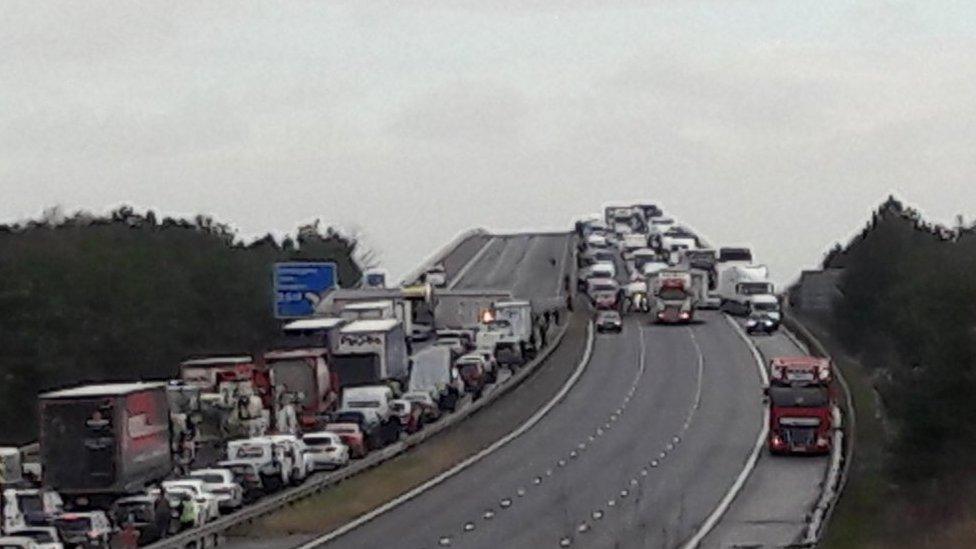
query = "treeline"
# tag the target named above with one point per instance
(126, 296)
(908, 311)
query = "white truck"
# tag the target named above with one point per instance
(740, 285)
(518, 313)
(374, 403)
(432, 374)
(369, 352)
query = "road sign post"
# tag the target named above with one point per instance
(300, 285)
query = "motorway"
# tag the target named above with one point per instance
(532, 266)
(637, 455)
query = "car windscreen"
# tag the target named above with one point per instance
(30, 504)
(363, 404)
(753, 288)
(672, 293)
(765, 306)
(209, 478)
(799, 397)
(319, 440)
(40, 536)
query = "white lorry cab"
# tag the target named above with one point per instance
(518, 313)
(372, 401)
(371, 352)
(23, 508)
(768, 305)
(432, 375)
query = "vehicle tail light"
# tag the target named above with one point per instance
(660, 315)
(823, 442)
(824, 374)
(777, 442)
(684, 316)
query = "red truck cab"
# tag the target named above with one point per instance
(805, 370)
(800, 419)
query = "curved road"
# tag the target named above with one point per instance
(637, 455)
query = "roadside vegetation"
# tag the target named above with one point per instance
(907, 316)
(128, 295)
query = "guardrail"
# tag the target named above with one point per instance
(843, 454)
(434, 258)
(211, 534)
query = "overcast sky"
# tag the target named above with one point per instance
(779, 124)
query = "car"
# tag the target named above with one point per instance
(87, 529)
(351, 428)
(221, 483)
(326, 450)
(410, 416)
(761, 324)
(295, 451)
(209, 505)
(17, 542)
(247, 474)
(609, 321)
(140, 512)
(430, 411)
(45, 537)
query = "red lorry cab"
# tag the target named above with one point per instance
(803, 370)
(800, 419)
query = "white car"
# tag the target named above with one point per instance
(89, 529)
(209, 505)
(17, 542)
(295, 450)
(45, 537)
(325, 450)
(220, 483)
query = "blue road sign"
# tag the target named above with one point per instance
(299, 286)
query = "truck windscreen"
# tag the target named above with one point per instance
(799, 397)
(672, 294)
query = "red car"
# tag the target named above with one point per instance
(352, 435)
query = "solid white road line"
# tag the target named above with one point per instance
(522, 429)
(467, 266)
(750, 465)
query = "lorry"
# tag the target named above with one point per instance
(11, 468)
(374, 402)
(518, 313)
(320, 331)
(371, 352)
(463, 309)
(105, 440)
(303, 379)
(496, 336)
(433, 374)
(800, 419)
(704, 259)
(673, 297)
(739, 286)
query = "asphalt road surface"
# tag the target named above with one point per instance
(637, 455)
(772, 507)
(532, 266)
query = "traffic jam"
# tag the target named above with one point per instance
(140, 461)
(144, 460)
(635, 260)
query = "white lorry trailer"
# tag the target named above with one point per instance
(739, 285)
(370, 352)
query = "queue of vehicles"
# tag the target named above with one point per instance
(161, 457)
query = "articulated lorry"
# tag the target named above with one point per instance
(99, 442)
(371, 352)
(744, 288)
(306, 388)
(800, 419)
(673, 296)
